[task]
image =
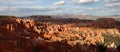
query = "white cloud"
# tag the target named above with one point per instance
(112, 3)
(85, 1)
(111, 0)
(21, 11)
(14, 0)
(17, 2)
(59, 3)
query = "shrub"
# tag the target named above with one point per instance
(109, 39)
(3, 16)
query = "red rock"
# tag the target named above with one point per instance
(111, 50)
(23, 35)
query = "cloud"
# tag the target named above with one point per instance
(112, 3)
(14, 0)
(43, 7)
(59, 3)
(112, 0)
(85, 1)
(8, 0)
(21, 11)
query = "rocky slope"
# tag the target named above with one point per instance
(26, 35)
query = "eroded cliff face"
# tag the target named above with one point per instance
(25, 35)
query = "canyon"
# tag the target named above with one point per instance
(46, 34)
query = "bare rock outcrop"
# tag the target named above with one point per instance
(26, 35)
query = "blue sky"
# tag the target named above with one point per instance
(51, 7)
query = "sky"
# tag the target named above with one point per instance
(54, 7)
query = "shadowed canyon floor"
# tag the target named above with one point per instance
(48, 34)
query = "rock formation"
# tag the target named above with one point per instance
(26, 35)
